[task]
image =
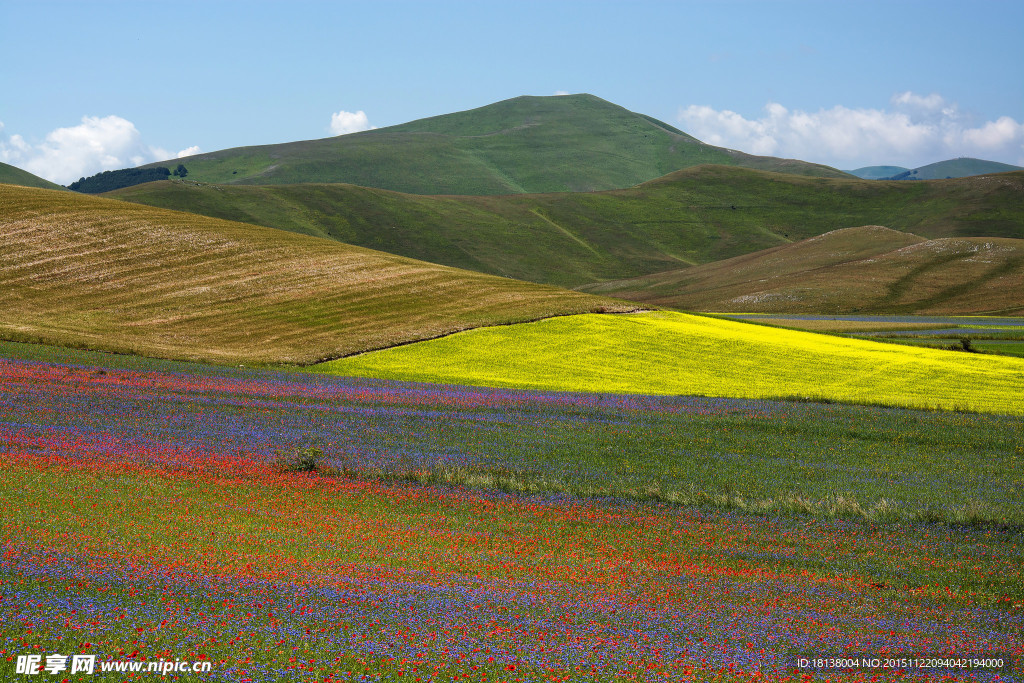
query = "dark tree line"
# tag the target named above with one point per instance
(126, 177)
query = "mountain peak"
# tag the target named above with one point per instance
(526, 144)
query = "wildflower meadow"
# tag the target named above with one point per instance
(442, 533)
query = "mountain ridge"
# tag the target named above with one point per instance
(525, 144)
(961, 167)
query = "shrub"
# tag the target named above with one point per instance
(300, 460)
(964, 345)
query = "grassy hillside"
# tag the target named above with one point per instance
(12, 175)
(951, 168)
(867, 269)
(675, 353)
(877, 172)
(526, 144)
(955, 168)
(694, 216)
(97, 273)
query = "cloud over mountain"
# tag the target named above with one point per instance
(345, 122)
(914, 130)
(96, 144)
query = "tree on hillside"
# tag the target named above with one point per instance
(181, 171)
(114, 180)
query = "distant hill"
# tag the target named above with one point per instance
(523, 145)
(697, 215)
(869, 269)
(83, 271)
(954, 168)
(877, 172)
(12, 175)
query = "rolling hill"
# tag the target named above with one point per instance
(694, 216)
(107, 275)
(522, 145)
(956, 168)
(877, 172)
(12, 175)
(951, 168)
(869, 269)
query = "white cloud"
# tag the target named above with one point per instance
(561, 93)
(67, 154)
(995, 136)
(194, 149)
(345, 122)
(14, 147)
(916, 130)
(909, 100)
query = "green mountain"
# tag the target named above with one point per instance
(869, 269)
(697, 215)
(877, 172)
(12, 175)
(954, 168)
(526, 144)
(84, 271)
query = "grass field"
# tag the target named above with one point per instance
(1001, 348)
(96, 273)
(675, 353)
(841, 326)
(758, 454)
(525, 144)
(695, 216)
(1007, 349)
(145, 520)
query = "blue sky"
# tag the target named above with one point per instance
(93, 85)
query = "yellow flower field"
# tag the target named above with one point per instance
(677, 353)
